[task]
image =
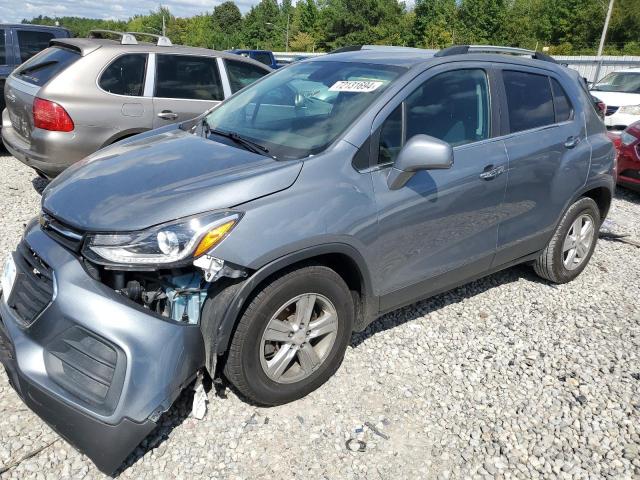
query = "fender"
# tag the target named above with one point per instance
(607, 183)
(123, 136)
(226, 300)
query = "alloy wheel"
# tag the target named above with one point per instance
(298, 338)
(577, 243)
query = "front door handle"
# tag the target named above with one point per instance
(572, 142)
(490, 172)
(167, 115)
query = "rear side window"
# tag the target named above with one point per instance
(242, 74)
(3, 48)
(125, 75)
(31, 42)
(262, 57)
(189, 77)
(562, 104)
(529, 100)
(42, 68)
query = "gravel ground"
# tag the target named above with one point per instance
(507, 377)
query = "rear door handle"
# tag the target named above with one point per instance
(490, 172)
(572, 142)
(167, 115)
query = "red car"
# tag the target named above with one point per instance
(628, 146)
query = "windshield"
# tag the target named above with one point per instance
(626, 82)
(300, 110)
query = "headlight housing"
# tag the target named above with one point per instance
(630, 109)
(167, 244)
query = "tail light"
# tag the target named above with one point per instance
(49, 115)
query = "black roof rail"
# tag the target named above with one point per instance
(464, 49)
(129, 38)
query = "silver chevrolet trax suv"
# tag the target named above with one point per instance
(82, 94)
(252, 241)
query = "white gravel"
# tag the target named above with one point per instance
(507, 377)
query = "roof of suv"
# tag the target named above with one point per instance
(88, 45)
(409, 57)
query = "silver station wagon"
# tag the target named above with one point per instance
(82, 94)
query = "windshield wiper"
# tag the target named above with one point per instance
(239, 139)
(33, 68)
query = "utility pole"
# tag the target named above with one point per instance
(286, 46)
(164, 30)
(602, 39)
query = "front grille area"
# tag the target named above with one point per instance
(88, 367)
(611, 110)
(63, 234)
(33, 288)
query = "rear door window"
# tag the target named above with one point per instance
(42, 68)
(3, 47)
(529, 100)
(561, 103)
(188, 77)
(242, 74)
(31, 42)
(125, 75)
(262, 57)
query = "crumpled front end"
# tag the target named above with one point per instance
(96, 366)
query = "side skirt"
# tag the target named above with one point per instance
(440, 284)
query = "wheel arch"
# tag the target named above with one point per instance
(602, 196)
(219, 325)
(122, 135)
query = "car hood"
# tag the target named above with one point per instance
(152, 179)
(617, 99)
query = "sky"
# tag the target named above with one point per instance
(13, 11)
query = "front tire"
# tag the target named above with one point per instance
(292, 336)
(572, 245)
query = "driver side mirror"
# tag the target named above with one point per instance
(421, 152)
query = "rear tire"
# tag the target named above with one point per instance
(292, 336)
(571, 247)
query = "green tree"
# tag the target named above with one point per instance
(435, 23)
(351, 22)
(227, 23)
(482, 21)
(256, 32)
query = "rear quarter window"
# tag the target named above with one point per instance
(242, 74)
(529, 100)
(561, 102)
(43, 67)
(125, 75)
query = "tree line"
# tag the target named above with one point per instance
(566, 27)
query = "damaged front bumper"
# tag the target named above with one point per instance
(96, 367)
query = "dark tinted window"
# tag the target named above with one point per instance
(42, 68)
(262, 57)
(3, 50)
(452, 106)
(125, 75)
(561, 102)
(529, 100)
(242, 74)
(31, 42)
(184, 76)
